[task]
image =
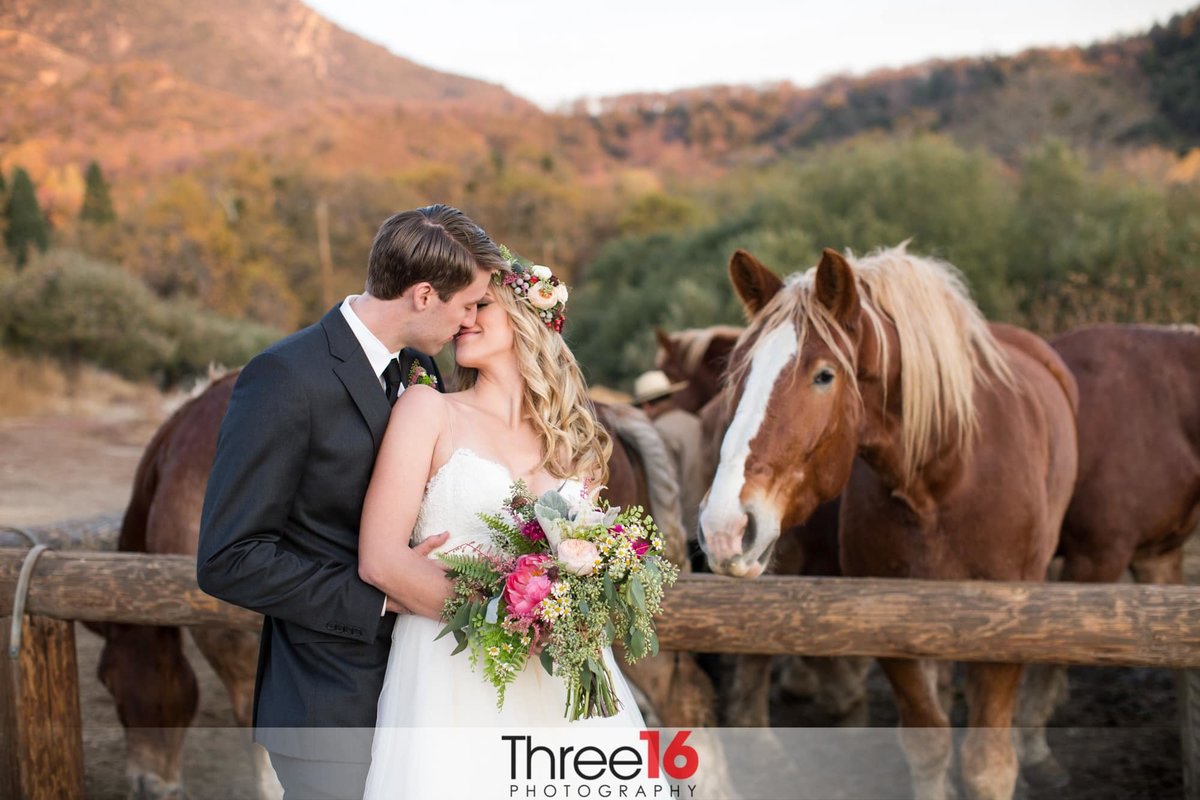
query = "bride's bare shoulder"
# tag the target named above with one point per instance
(420, 398)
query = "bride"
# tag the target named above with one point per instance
(521, 414)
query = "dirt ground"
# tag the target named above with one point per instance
(1117, 734)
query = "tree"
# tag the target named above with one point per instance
(97, 203)
(26, 224)
(1172, 62)
(5, 262)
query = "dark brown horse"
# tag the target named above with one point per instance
(145, 669)
(1137, 495)
(698, 356)
(952, 443)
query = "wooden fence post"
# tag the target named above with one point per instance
(1188, 692)
(41, 731)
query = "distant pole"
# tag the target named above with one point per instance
(323, 252)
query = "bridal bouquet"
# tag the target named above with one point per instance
(566, 576)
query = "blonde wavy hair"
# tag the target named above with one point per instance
(574, 443)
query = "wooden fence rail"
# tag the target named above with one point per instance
(41, 748)
(97, 532)
(1120, 624)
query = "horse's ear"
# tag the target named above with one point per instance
(835, 286)
(755, 284)
(664, 339)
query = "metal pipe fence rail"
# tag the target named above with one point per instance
(1098, 624)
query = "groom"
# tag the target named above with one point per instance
(279, 531)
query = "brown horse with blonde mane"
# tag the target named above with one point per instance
(951, 442)
(699, 357)
(152, 683)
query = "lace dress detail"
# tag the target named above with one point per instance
(466, 485)
(425, 686)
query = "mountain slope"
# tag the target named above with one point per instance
(275, 52)
(148, 87)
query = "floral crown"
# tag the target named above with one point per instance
(535, 284)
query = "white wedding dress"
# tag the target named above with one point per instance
(425, 687)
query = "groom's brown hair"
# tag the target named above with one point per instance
(436, 244)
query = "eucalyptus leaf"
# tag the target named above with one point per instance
(462, 642)
(458, 621)
(638, 593)
(653, 643)
(610, 589)
(637, 643)
(547, 661)
(584, 608)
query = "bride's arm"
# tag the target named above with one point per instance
(397, 487)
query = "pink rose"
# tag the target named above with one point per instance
(640, 546)
(528, 584)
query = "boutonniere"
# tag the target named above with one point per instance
(418, 374)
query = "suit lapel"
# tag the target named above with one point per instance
(354, 371)
(407, 357)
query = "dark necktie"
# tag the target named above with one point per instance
(391, 380)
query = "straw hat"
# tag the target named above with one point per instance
(653, 385)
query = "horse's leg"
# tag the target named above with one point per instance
(798, 677)
(155, 693)
(1166, 568)
(746, 703)
(680, 693)
(842, 689)
(989, 761)
(1042, 691)
(924, 728)
(682, 696)
(233, 655)
(1045, 686)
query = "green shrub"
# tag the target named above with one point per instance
(78, 310)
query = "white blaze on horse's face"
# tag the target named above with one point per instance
(729, 510)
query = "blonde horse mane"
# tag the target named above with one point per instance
(945, 346)
(693, 344)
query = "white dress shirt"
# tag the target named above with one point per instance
(376, 351)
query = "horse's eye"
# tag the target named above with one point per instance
(823, 378)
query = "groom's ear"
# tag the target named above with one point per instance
(422, 295)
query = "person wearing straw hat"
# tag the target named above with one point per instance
(652, 390)
(682, 433)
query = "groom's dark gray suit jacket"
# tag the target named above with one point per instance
(279, 535)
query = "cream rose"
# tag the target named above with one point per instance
(540, 272)
(578, 556)
(542, 295)
(560, 292)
